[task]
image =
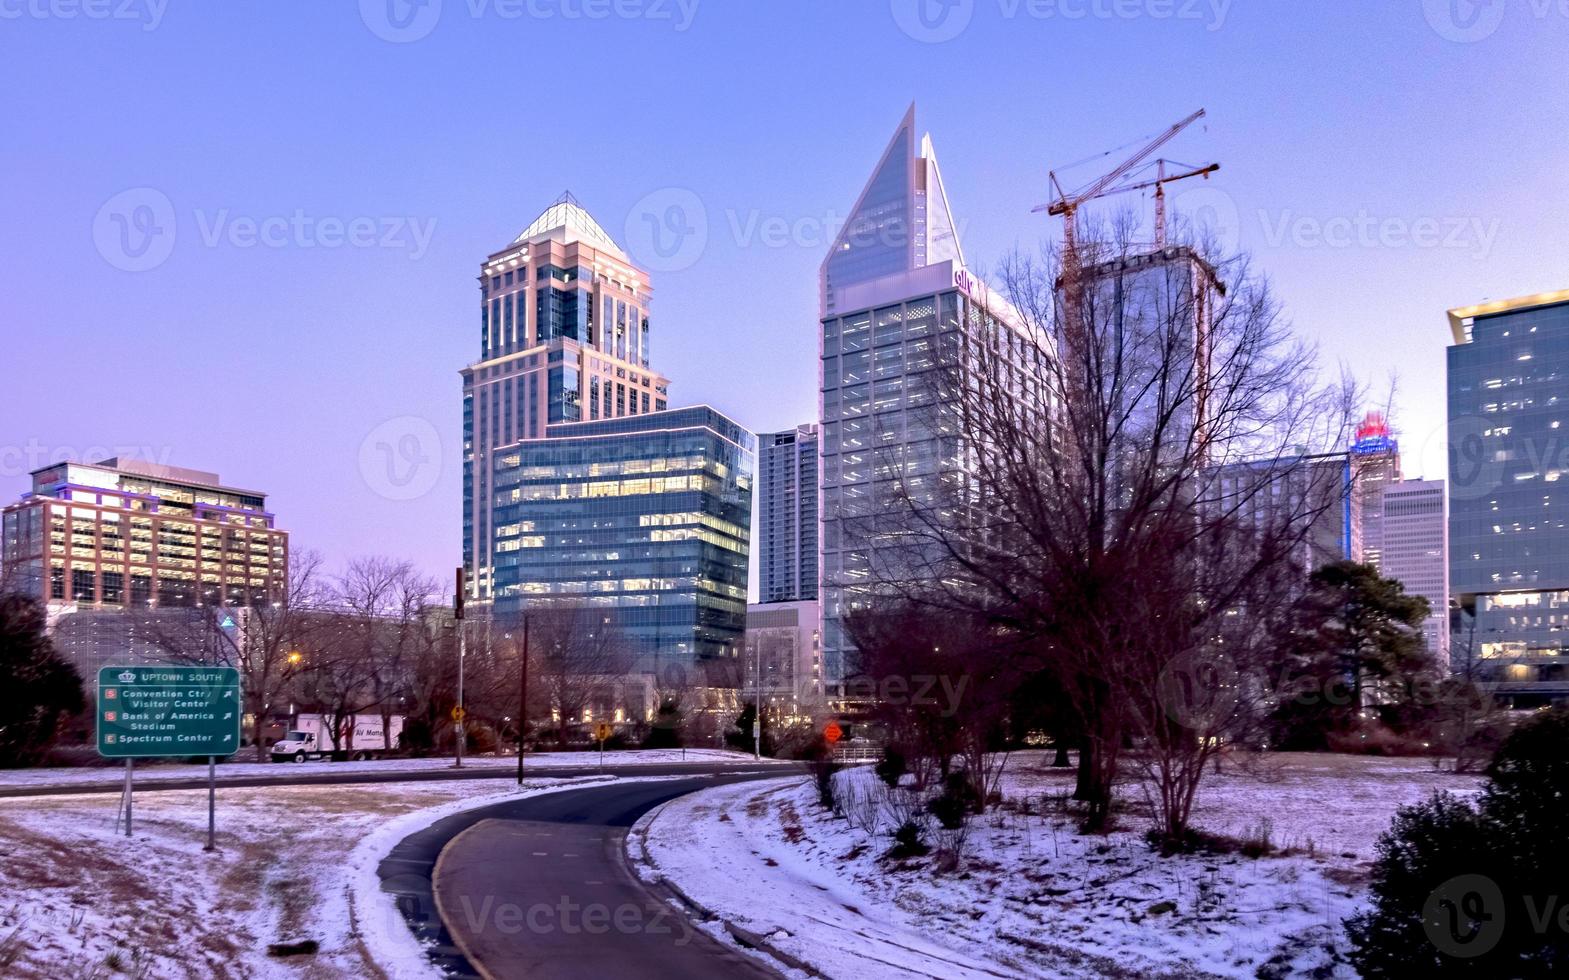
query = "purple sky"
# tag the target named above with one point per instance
(333, 173)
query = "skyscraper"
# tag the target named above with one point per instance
(646, 518)
(564, 337)
(787, 514)
(1415, 551)
(1375, 465)
(893, 290)
(1508, 518)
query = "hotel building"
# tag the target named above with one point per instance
(1508, 514)
(125, 534)
(564, 337)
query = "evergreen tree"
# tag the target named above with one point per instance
(41, 689)
(1353, 628)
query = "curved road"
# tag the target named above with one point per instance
(292, 776)
(540, 887)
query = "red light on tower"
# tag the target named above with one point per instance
(1373, 427)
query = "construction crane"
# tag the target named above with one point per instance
(1067, 205)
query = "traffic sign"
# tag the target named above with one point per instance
(833, 732)
(147, 712)
(458, 714)
(603, 731)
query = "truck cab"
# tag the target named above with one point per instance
(296, 746)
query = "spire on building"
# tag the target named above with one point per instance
(566, 221)
(902, 219)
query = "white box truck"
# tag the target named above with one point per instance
(360, 737)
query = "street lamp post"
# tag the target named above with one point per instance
(523, 699)
(457, 609)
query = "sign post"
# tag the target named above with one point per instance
(603, 731)
(832, 733)
(212, 803)
(151, 711)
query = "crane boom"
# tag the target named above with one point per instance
(1065, 204)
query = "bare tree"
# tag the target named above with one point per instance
(262, 640)
(574, 652)
(1115, 474)
(387, 602)
(937, 682)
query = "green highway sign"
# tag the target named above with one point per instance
(149, 711)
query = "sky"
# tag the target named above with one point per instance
(243, 237)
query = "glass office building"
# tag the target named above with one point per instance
(896, 300)
(1509, 494)
(647, 517)
(564, 337)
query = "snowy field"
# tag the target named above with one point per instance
(114, 776)
(76, 900)
(1034, 898)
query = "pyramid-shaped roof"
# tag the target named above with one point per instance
(566, 221)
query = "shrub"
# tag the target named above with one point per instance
(958, 799)
(1475, 891)
(1527, 795)
(909, 840)
(1426, 846)
(892, 767)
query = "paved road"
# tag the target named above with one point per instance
(540, 887)
(290, 776)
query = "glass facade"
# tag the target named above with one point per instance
(876, 241)
(647, 517)
(1508, 516)
(562, 313)
(882, 429)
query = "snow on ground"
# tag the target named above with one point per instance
(1032, 897)
(114, 776)
(292, 864)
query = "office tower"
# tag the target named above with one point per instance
(1415, 551)
(1161, 303)
(1375, 464)
(564, 337)
(646, 518)
(1508, 514)
(787, 514)
(892, 287)
(784, 650)
(1311, 497)
(126, 534)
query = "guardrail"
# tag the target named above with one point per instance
(857, 753)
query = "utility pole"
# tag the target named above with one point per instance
(757, 718)
(458, 712)
(523, 699)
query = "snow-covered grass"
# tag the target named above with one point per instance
(1033, 897)
(292, 864)
(113, 776)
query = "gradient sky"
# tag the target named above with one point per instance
(1384, 161)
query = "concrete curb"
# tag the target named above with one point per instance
(697, 909)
